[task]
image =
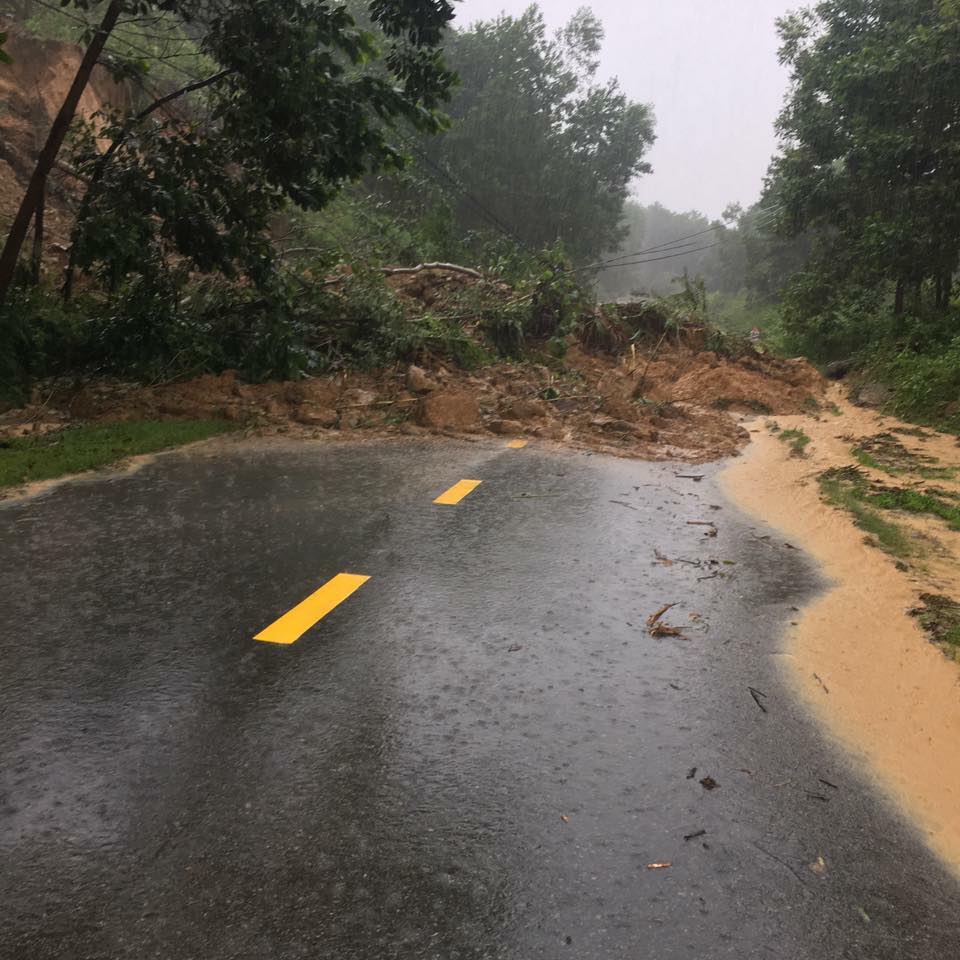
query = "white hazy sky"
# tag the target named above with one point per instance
(708, 67)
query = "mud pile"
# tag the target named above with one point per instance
(667, 408)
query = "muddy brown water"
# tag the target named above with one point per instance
(856, 656)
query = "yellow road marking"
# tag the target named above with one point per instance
(296, 622)
(457, 492)
(517, 444)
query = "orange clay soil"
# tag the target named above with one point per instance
(672, 408)
(858, 657)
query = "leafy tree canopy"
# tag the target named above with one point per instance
(301, 101)
(538, 146)
(871, 158)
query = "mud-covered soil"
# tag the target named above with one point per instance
(874, 655)
(683, 405)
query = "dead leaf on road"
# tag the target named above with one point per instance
(659, 866)
(658, 629)
(654, 617)
(819, 866)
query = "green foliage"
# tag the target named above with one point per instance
(916, 501)
(738, 313)
(161, 48)
(797, 441)
(39, 336)
(870, 172)
(926, 384)
(845, 488)
(4, 56)
(939, 616)
(538, 147)
(362, 323)
(75, 449)
(303, 100)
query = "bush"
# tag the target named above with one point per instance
(39, 337)
(829, 321)
(926, 385)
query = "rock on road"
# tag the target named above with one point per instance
(477, 755)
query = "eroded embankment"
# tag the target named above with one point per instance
(859, 657)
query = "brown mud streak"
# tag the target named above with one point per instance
(894, 698)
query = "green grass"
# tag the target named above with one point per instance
(885, 453)
(868, 460)
(797, 439)
(940, 618)
(845, 489)
(915, 501)
(75, 449)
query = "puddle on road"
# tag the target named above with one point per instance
(859, 659)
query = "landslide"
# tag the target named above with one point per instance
(32, 88)
(653, 389)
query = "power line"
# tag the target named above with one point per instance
(671, 256)
(487, 214)
(662, 246)
(138, 49)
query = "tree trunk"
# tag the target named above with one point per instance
(48, 155)
(898, 300)
(36, 260)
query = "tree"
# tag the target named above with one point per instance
(871, 160)
(295, 112)
(33, 197)
(537, 147)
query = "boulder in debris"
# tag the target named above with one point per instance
(448, 410)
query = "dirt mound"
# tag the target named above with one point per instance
(671, 408)
(759, 384)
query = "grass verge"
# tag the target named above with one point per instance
(940, 618)
(844, 488)
(916, 501)
(75, 449)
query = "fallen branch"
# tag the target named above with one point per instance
(379, 403)
(455, 268)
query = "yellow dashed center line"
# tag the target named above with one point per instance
(517, 444)
(457, 492)
(296, 622)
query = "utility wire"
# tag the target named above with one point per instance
(147, 53)
(671, 256)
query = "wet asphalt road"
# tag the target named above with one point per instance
(395, 784)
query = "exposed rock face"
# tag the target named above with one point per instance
(523, 409)
(874, 395)
(356, 398)
(316, 416)
(448, 410)
(418, 381)
(506, 428)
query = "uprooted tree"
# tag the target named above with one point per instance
(300, 101)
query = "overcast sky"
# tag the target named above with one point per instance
(709, 68)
